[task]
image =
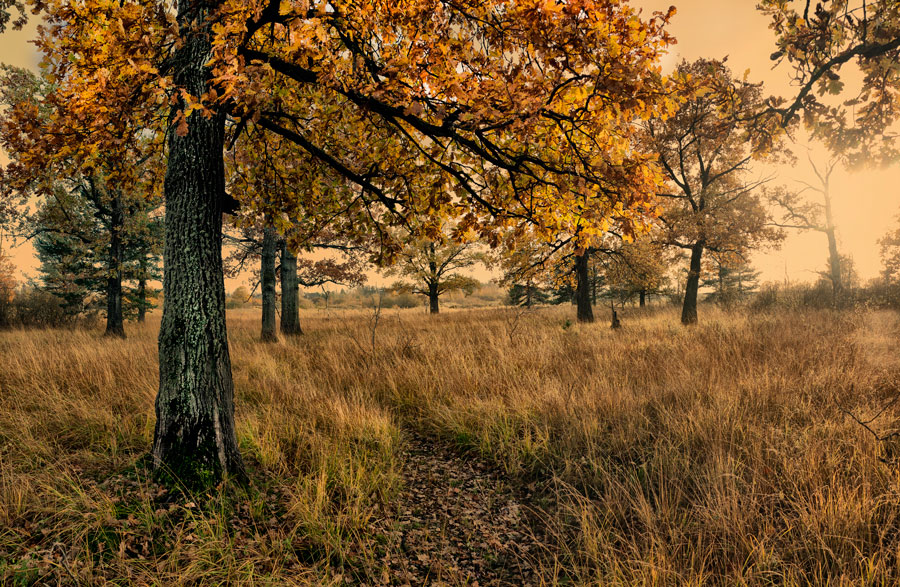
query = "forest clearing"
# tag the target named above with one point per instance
(449, 292)
(649, 455)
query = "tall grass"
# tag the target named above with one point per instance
(658, 454)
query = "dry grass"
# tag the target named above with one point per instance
(717, 454)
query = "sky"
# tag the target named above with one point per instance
(866, 202)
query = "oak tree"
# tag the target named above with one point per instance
(798, 211)
(526, 111)
(706, 148)
(432, 269)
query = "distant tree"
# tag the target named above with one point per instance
(143, 260)
(705, 151)
(636, 268)
(732, 279)
(801, 213)
(432, 269)
(890, 255)
(7, 288)
(527, 294)
(342, 262)
(95, 209)
(240, 295)
(91, 244)
(849, 278)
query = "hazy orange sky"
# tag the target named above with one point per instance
(866, 202)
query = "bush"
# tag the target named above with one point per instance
(30, 307)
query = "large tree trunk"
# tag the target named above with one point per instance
(290, 293)
(583, 289)
(643, 298)
(267, 277)
(142, 290)
(433, 298)
(195, 439)
(689, 309)
(115, 322)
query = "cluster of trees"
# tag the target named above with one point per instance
(415, 132)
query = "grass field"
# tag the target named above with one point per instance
(654, 455)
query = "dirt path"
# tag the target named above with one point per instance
(457, 523)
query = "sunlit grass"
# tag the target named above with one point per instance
(659, 454)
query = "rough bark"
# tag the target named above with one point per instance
(290, 293)
(643, 298)
(115, 321)
(195, 439)
(433, 298)
(689, 309)
(267, 278)
(583, 289)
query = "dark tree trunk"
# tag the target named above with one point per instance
(689, 309)
(528, 294)
(115, 323)
(433, 281)
(267, 277)
(290, 293)
(142, 290)
(433, 299)
(643, 298)
(583, 289)
(195, 439)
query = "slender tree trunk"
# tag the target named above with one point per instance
(115, 322)
(643, 298)
(433, 299)
(142, 290)
(583, 289)
(195, 437)
(290, 293)
(267, 277)
(528, 294)
(834, 265)
(689, 310)
(834, 258)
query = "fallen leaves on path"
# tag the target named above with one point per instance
(457, 522)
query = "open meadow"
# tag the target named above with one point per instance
(492, 446)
